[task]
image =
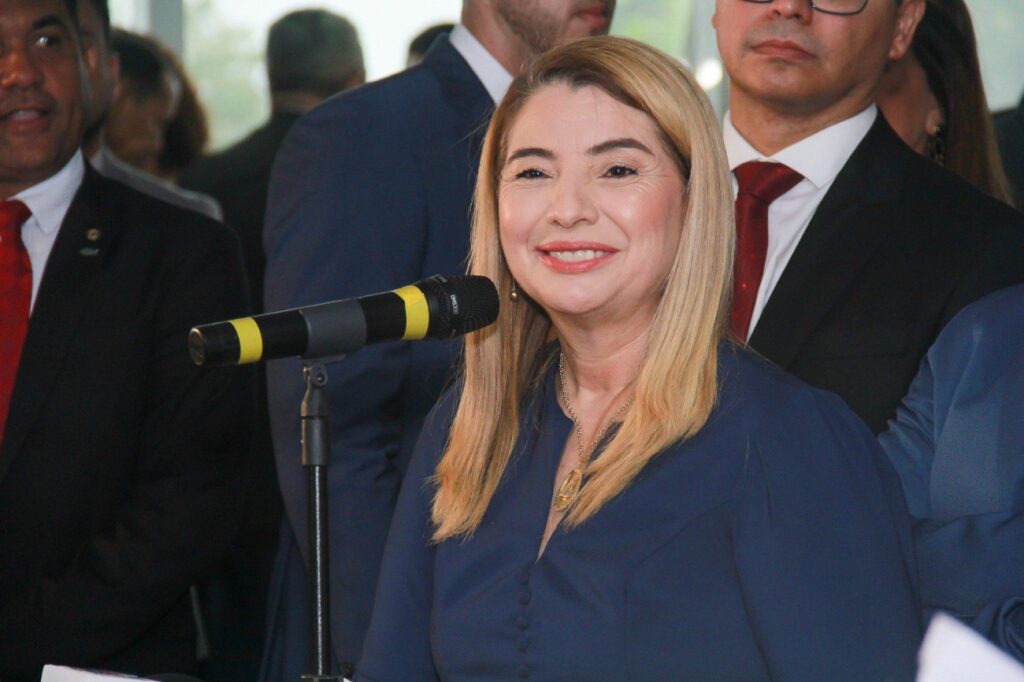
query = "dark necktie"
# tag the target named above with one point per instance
(15, 298)
(760, 184)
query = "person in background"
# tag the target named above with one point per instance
(118, 457)
(94, 20)
(186, 133)
(311, 55)
(422, 42)
(1010, 132)
(853, 251)
(639, 500)
(934, 99)
(370, 191)
(145, 102)
(956, 444)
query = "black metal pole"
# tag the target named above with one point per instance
(316, 453)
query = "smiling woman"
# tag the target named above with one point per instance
(638, 499)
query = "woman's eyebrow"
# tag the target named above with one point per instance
(619, 143)
(531, 151)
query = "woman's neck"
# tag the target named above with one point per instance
(601, 365)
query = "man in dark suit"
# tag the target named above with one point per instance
(311, 55)
(852, 251)
(117, 455)
(371, 191)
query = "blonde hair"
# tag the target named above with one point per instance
(676, 388)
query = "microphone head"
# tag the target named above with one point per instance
(459, 304)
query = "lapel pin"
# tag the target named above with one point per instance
(89, 251)
(92, 234)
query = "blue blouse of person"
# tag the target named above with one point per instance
(958, 445)
(773, 545)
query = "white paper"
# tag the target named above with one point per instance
(59, 673)
(952, 652)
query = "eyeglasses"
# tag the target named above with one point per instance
(843, 8)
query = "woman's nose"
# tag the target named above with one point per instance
(572, 202)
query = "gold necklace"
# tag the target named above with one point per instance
(570, 487)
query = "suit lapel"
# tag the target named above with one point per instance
(461, 88)
(854, 217)
(69, 281)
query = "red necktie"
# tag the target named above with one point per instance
(760, 184)
(15, 298)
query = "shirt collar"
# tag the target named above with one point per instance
(805, 156)
(488, 69)
(50, 199)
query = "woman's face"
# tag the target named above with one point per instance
(590, 205)
(136, 125)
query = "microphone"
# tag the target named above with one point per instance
(439, 307)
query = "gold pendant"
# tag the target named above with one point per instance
(568, 491)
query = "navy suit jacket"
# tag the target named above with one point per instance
(369, 192)
(958, 445)
(772, 545)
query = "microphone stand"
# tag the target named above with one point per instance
(316, 454)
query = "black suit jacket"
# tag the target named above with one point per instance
(239, 178)
(896, 248)
(117, 484)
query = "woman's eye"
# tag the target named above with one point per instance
(530, 174)
(619, 171)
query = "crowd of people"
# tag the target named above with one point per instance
(751, 409)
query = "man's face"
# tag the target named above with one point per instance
(102, 72)
(40, 92)
(796, 60)
(542, 24)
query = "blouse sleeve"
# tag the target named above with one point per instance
(397, 647)
(823, 549)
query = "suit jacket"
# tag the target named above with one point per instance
(370, 191)
(958, 446)
(897, 247)
(235, 601)
(772, 545)
(116, 469)
(239, 179)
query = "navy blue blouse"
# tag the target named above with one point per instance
(773, 545)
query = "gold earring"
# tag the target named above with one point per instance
(514, 294)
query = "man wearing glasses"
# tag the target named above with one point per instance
(852, 251)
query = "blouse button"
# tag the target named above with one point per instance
(521, 622)
(523, 644)
(524, 672)
(524, 597)
(524, 577)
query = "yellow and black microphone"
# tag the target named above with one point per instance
(440, 307)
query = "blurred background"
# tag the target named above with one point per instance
(221, 42)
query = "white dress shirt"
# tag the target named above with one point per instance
(49, 202)
(818, 158)
(488, 69)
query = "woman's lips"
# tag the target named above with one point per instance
(575, 257)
